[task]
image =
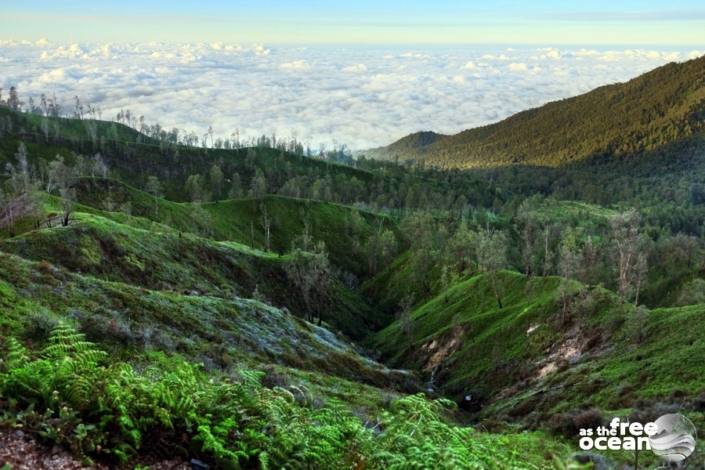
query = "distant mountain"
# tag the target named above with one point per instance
(650, 111)
(405, 145)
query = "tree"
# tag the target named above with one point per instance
(636, 323)
(692, 293)
(492, 256)
(589, 270)
(460, 251)
(235, 191)
(630, 247)
(532, 237)
(19, 202)
(61, 177)
(154, 187)
(310, 272)
(568, 265)
(406, 320)
(68, 198)
(203, 220)
(428, 239)
(20, 177)
(258, 186)
(550, 234)
(13, 101)
(215, 175)
(100, 168)
(381, 246)
(14, 207)
(58, 174)
(195, 188)
(266, 227)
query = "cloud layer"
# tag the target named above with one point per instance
(359, 96)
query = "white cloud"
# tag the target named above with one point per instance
(53, 76)
(496, 57)
(518, 67)
(295, 65)
(415, 55)
(550, 53)
(259, 49)
(363, 97)
(355, 68)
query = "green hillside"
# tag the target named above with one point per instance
(36, 295)
(182, 263)
(648, 112)
(533, 356)
(466, 340)
(257, 308)
(344, 230)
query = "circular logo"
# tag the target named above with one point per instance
(674, 439)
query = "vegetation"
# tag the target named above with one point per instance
(71, 396)
(646, 113)
(257, 305)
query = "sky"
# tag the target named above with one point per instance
(361, 73)
(630, 22)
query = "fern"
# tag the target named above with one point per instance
(82, 403)
(17, 355)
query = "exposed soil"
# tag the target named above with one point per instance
(22, 452)
(439, 349)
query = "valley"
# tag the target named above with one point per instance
(472, 303)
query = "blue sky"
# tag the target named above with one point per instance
(645, 22)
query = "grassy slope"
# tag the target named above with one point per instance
(573, 213)
(176, 262)
(330, 223)
(233, 333)
(131, 319)
(526, 362)
(241, 220)
(459, 331)
(652, 110)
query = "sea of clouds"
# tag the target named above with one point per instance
(361, 96)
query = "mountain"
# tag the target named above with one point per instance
(655, 109)
(408, 144)
(295, 312)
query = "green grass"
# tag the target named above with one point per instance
(573, 213)
(214, 329)
(479, 335)
(177, 262)
(242, 220)
(629, 366)
(474, 345)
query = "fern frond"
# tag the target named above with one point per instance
(17, 355)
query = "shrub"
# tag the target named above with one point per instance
(39, 325)
(69, 394)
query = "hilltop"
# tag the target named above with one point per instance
(647, 113)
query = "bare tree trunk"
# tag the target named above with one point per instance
(493, 278)
(545, 252)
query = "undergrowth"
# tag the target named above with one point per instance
(70, 394)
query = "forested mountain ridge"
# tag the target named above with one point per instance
(644, 114)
